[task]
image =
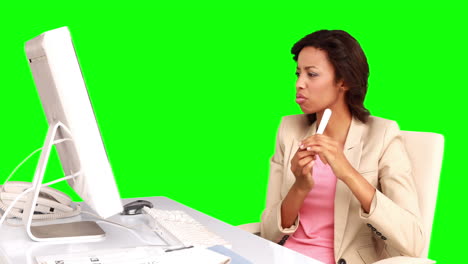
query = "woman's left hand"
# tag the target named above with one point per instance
(330, 152)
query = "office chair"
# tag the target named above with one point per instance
(425, 151)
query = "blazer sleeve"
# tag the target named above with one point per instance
(394, 214)
(270, 226)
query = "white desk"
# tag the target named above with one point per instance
(17, 248)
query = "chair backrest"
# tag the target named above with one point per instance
(425, 151)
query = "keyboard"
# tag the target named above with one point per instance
(138, 255)
(179, 229)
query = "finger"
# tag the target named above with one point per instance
(315, 150)
(312, 139)
(307, 170)
(303, 162)
(296, 156)
(301, 146)
(327, 148)
(300, 154)
(310, 165)
(321, 152)
(318, 140)
(323, 159)
(304, 153)
(310, 150)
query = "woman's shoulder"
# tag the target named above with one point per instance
(295, 126)
(380, 131)
(297, 120)
(375, 123)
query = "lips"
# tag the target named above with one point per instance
(300, 98)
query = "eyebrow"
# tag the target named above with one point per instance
(307, 67)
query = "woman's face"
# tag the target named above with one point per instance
(316, 88)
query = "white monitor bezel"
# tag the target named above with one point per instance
(65, 99)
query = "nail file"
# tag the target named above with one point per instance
(323, 123)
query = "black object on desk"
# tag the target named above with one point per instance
(135, 207)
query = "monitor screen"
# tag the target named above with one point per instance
(65, 99)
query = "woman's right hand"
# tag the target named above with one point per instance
(301, 167)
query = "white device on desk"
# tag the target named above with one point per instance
(51, 203)
(66, 103)
(180, 230)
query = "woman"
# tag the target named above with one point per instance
(346, 196)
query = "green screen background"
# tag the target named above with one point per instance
(188, 96)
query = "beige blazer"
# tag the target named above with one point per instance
(377, 152)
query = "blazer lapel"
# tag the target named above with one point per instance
(352, 151)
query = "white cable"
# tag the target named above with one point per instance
(40, 217)
(45, 216)
(74, 175)
(106, 220)
(37, 217)
(20, 224)
(150, 243)
(30, 155)
(21, 195)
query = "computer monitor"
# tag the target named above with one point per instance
(66, 103)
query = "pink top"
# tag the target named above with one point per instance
(314, 235)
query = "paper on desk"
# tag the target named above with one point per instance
(235, 258)
(197, 256)
(139, 255)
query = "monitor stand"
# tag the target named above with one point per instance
(85, 231)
